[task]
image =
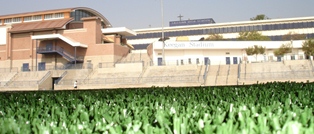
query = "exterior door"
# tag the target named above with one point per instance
(41, 66)
(159, 61)
(25, 67)
(49, 47)
(227, 60)
(235, 60)
(206, 60)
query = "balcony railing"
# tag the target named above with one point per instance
(56, 49)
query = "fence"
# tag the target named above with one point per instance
(5, 70)
(113, 64)
(170, 79)
(59, 67)
(102, 81)
(178, 62)
(23, 84)
(134, 80)
(276, 75)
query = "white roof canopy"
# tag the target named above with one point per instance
(119, 30)
(58, 36)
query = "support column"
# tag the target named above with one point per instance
(75, 56)
(10, 50)
(32, 51)
(36, 55)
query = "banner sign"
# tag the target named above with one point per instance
(191, 22)
(189, 45)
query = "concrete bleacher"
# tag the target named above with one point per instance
(134, 74)
(222, 75)
(279, 71)
(233, 75)
(5, 78)
(212, 75)
(172, 74)
(27, 79)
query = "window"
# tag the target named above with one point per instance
(16, 20)
(78, 14)
(28, 18)
(7, 21)
(197, 61)
(59, 15)
(48, 16)
(190, 62)
(37, 17)
(181, 62)
(0, 22)
(292, 57)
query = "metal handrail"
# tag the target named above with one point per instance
(61, 77)
(13, 69)
(60, 51)
(276, 75)
(44, 78)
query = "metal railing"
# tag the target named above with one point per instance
(44, 78)
(170, 79)
(23, 84)
(133, 80)
(311, 64)
(13, 69)
(60, 67)
(61, 77)
(60, 51)
(178, 62)
(239, 72)
(278, 75)
(113, 64)
(106, 65)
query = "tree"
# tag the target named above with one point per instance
(253, 35)
(260, 17)
(283, 49)
(293, 36)
(308, 47)
(255, 50)
(215, 37)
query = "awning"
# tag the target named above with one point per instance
(58, 36)
(119, 30)
(40, 25)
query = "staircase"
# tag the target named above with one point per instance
(61, 51)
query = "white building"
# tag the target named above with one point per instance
(219, 52)
(273, 28)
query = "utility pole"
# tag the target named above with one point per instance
(162, 33)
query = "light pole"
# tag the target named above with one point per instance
(162, 33)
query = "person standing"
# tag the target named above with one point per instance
(75, 84)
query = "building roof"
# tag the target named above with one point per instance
(103, 19)
(119, 30)
(225, 24)
(40, 25)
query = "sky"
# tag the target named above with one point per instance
(139, 14)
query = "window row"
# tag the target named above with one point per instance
(78, 14)
(32, 18)
(52, 16)
(234, 29)
(12, 20)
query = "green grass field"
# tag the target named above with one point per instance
(262, 108)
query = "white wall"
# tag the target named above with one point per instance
(3, 35)
(218, 51)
